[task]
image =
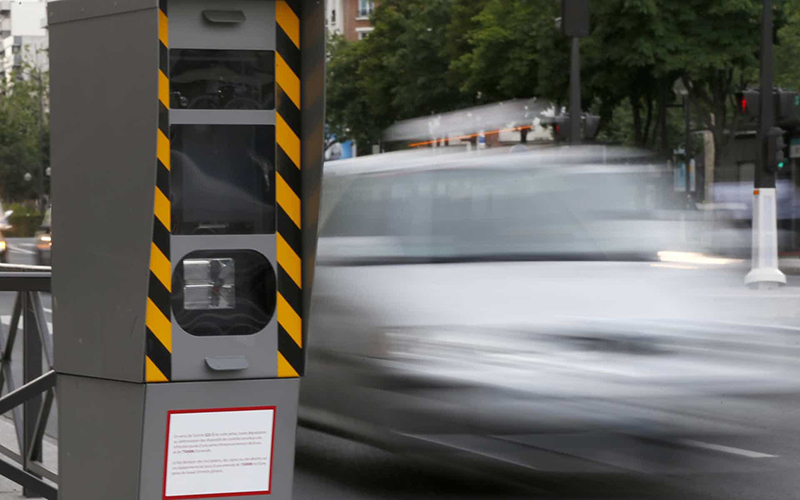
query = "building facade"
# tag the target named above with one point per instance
(350, 18)
(23, 35)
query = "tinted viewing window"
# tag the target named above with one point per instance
(223, 293)
(222, 79)
(223, 179)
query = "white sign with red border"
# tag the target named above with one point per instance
(219, 453)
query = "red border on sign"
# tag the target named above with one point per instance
(220, 410)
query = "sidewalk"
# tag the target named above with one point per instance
(8, 489)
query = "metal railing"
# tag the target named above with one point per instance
(30, 404)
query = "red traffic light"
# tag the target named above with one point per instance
(744, 105)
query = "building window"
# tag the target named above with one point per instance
(333, 16)
(365, 8)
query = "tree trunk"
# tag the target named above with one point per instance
(649, 119)
(662, 114)
(636, 107)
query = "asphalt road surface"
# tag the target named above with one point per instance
(759, 467)
(763, 465)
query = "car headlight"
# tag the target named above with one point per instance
(46, 238)
(695, 259)
(3, 245)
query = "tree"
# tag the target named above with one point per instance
(500, 52)
(400, 71)
(787, 53)
(24, 130)
(349, 113)
(720, 57)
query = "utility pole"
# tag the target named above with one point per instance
(575, 23)
(765, 272)
(688, 148)
(575, 93)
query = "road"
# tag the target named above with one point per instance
(764, 465)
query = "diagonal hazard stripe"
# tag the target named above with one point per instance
(152, 373)
(163, 208)
(289, 112)
(288, 50)
(162, 149)
(292, 294)
(285, 370)
(160, 266)
(162, 180)
(287, 80)
(158, 354)
(163, 118)
(288, 200)
(292, 352)
(163, 28)
(159, 294)
(291, 174)
(290, 320)
(161, 237)
(288, 20)
(290, 261)
(159, 324)
(287, 140)
(163, 89)
(292, 234)
(163, 58)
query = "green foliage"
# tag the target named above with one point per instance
(427, 57)
(24, 141)
(787, 54)
(400, 71)
(500, 58)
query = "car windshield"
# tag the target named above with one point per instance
(577, 212)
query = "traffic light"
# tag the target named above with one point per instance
(561, 128)
(786, 105)
(748, 104)
(776, 154)
(590, 126)
(575, 18)
(787, 108)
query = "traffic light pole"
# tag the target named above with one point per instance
(765, 272)
(575, 93)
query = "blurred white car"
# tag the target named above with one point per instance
(545, 292)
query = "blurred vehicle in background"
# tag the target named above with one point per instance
(44, 240)
(484, 303)
(4, 226)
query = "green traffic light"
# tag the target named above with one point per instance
(781, 165)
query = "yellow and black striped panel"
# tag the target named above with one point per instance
(288, 189)
(158, 362)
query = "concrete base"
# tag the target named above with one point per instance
(765, 279)
(765, 273)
